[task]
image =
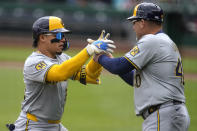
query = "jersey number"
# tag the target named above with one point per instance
(179, 71)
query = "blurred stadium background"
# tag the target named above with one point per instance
(88, 17)
(107, 107)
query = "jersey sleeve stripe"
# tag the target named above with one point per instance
(136, 67)
(158, 121)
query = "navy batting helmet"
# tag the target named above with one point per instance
(147, 11)
(47, 24)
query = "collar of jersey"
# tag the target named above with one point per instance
(161, 31)
(47, 56)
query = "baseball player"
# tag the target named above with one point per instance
(47, 70)
(154, 68)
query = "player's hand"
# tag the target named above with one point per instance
(101, 37)
(101, 45)
(110, 55)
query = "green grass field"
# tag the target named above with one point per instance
(105, 107)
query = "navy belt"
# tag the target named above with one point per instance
(153, 108)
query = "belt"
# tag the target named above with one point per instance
(34, 118)
(153, 108)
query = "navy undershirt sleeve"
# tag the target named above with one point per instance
(128, 77)
(119, 66)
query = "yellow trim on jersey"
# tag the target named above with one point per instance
(32, 117)
(53, 121)
(67, 68)
(136, 67)
(135, 10)
(158, 121)
(27, 123)
(55, 23)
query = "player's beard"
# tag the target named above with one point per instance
(54, 41)
(58, 53)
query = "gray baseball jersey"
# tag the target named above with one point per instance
(159, 74)
(42, 99)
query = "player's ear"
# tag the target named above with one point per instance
(42, 37)
(142, 23)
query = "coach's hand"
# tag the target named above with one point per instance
(96, 57)
(102, 45)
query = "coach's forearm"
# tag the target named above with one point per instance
(68, 68)
(115, 65)
(128, 77)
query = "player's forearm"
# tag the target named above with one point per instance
(92, 73)
(68, 68)
(88, 78)
(91, 80)
(93, 69)
(115, 65)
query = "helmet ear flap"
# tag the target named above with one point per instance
(66, 45)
